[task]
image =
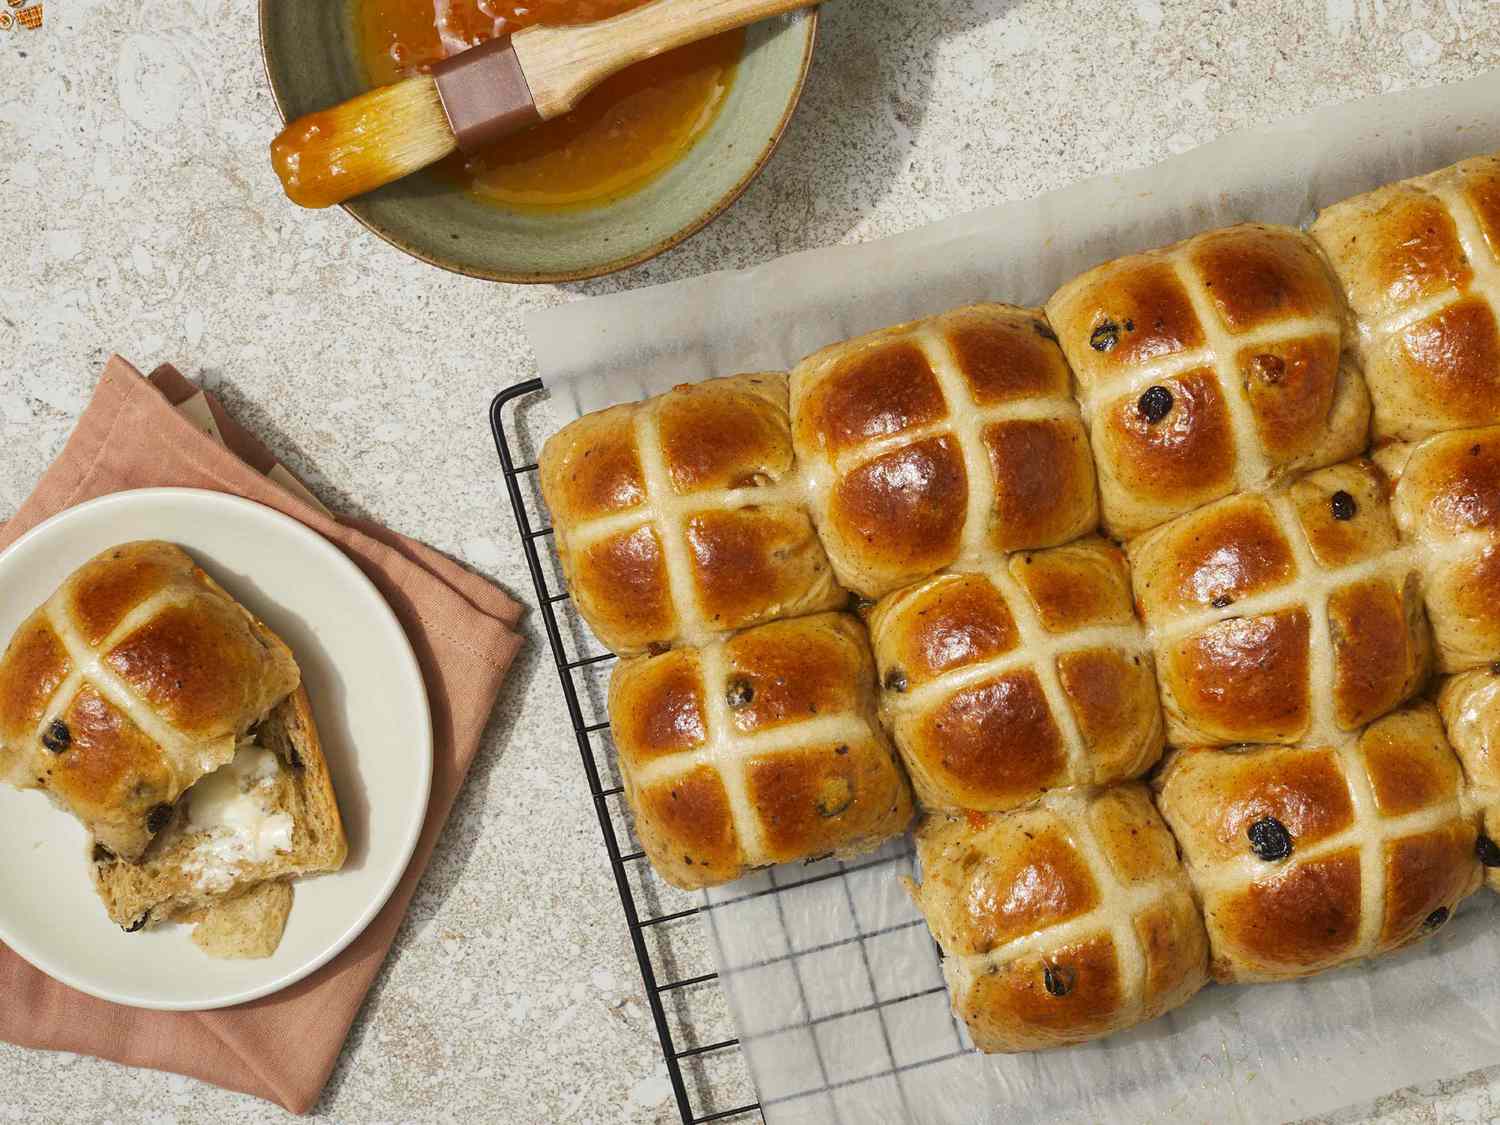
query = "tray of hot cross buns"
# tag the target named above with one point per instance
(1113, 614)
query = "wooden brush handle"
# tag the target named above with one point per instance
(564, 63)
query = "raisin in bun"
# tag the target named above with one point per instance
(1209, 367)
(136, 678)
(679, 519)
(1305, 858)
(1061, 922)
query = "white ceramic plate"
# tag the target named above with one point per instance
(371, 707)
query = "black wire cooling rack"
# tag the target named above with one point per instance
(690, 1044)
(608, 797)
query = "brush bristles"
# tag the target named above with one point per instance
(336, 154)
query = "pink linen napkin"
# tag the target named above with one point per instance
(282, 1047)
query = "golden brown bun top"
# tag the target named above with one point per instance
(1420, 262)
(1399, 765)
(1062, 921)
(136, 677)
(591, 468)
(1470, 704)
(1207, 367)
(962, 619)
(778, 674)
(1247, 546)
(992, 879)
(756, 750)
(1252, 276)
(1408, 246)
(1029, 675)
(885, 384)
(1447, 503)
(946, 439)
(722, 434)
(1450, 484)
(35, 665)
(1287, 616)
(680, 519)
(1309, 857)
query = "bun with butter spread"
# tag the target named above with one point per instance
(136, 678)
(269, 815)
(146, 701)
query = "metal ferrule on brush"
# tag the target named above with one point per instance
(485, 94)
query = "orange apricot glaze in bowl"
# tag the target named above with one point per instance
(631, 128)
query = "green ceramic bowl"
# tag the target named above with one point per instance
(308, 46)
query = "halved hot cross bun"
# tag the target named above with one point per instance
(1447, 504)
(136, 678)
(1304, 859)
(1470, 705)
(1209, 367)
(757, 750)
(1061, 922)
(680, 519)
(1420, 261)
(1288, 616)
(1030, 674)
(944, 442)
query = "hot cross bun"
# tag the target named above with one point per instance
(1447, 504)
(1208, 367)
(136, 678)
(1290, 616)
(680, 519)
(1028, 675)
(1061, 922)
(1420, 261)
(940, 443)
(1306, 858)
(1470, 704)
(757, 750)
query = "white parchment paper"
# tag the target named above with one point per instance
(612, 349)
(834, 982)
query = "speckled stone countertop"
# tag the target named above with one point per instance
(141, 216)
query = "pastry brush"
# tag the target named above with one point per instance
(481, 95)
